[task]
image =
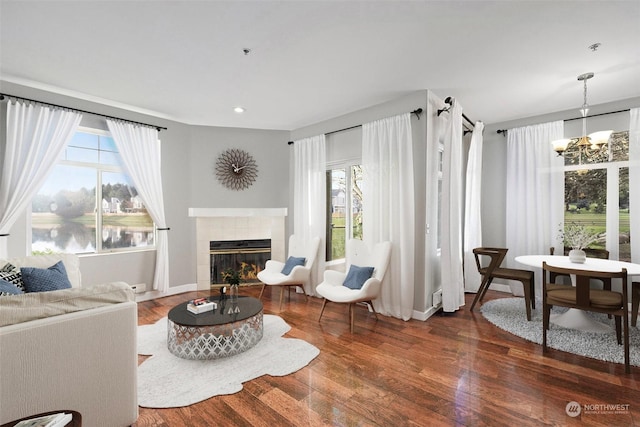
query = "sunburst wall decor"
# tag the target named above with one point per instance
(236, 169)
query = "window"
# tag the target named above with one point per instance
(596, 195)
(87, 204)
(344, 208)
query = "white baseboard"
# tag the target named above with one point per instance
(174, 290)
(424, 315)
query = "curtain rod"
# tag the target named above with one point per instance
(3, 95)
(449, 100)
(504, 131)
(417, 112)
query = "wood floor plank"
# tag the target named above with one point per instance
(294, 411)
(452, 370)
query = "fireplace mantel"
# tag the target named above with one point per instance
(220, 224)
(236, 212)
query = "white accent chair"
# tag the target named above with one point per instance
(299, 275)
(359, 254)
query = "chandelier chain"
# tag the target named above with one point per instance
(594, 147)
(585, 109)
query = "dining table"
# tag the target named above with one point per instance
(575, 318)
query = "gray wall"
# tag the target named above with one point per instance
(188, 156)
(269, 149)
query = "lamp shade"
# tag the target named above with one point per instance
(600, 137)
(560, 145)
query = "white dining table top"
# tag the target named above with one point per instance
(593, 264)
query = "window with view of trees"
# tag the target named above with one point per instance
(597, 195)
(344, 208)
(87, 204)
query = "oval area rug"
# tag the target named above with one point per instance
(167, 381)
(508, 314)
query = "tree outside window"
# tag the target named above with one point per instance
(344, 208)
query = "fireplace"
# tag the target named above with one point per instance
(235, 224)
(246, 255)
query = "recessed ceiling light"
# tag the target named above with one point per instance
(239, 109)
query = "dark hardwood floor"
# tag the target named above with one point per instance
(452, 370)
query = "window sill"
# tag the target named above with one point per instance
(133, 251)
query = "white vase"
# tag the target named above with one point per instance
(578, 256)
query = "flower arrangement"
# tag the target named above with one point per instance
(234, 277)
(231, 276)
(577, 236)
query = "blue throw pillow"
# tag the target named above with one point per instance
(8, 288)
(357, 276)
(45, 279)
(292, 262)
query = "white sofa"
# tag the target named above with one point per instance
(72, 349)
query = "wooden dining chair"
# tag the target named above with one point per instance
(582, 297)
(492, 270)
(591, 253)
(635, 302)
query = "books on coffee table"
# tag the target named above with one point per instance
(201, 305)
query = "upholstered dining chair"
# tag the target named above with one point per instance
(366, 267)
(583, 297)
(491, 270)
(296, 271)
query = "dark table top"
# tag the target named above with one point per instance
(76, 420)
(248, 307)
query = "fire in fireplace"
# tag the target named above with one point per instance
(247, 255)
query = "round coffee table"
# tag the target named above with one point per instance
(235, 326)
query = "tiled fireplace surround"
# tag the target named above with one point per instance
(219, 224)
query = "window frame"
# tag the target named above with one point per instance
(346, 165)
(98, 168)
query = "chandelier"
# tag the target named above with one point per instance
(593, 147)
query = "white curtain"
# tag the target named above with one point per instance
(388, 207)
(534, 191)
(309, 199)
(36, 136)
(472, 209)
(634, 181)
(140, 151)
(452, 220)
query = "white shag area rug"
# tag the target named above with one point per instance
(167, 381)
(508, 314)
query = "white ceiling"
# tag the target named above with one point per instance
(314, 60)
